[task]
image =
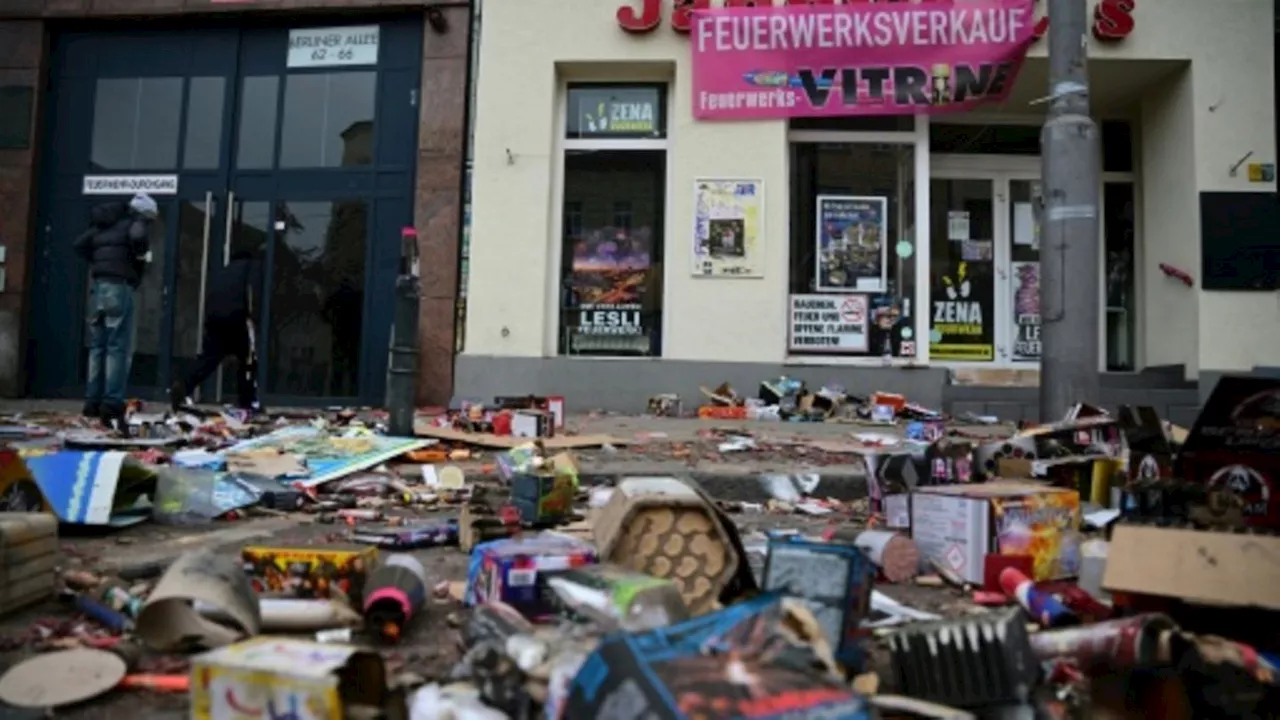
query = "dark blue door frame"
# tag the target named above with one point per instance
(384, 186)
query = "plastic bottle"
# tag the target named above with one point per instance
(393, 594)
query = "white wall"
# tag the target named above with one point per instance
(1192, 127)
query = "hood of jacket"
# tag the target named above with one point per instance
(107, 214)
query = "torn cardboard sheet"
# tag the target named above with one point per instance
(61, 678)
(169, 620)
(89, 488)
(1195, 566)
(329, 457)
(504, 442)
(267, 462)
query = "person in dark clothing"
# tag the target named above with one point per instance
(228, 331)
(115, 246)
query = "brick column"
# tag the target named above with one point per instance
(442, 134)
(22, 59)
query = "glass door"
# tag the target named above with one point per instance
(1020, 313)
(963, 231)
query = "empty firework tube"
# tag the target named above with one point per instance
(1043, 607)
(895, 555)
(393, 594)
(1115, 645)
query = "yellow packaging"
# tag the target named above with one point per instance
(284, 677)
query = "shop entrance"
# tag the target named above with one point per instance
(984, 277)
(295, 144)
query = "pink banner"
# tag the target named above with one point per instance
(856, 59)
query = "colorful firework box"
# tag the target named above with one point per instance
(515, 570)
(735, 663)
(307, 572)
(959, 525)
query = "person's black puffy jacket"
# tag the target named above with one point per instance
(114, 244)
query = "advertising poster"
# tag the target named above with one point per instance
(1026, 310)
(961, 324)
(727, 233)
(828, 324)
(891, 327)
(607, 285)
(852, 235)
(800, 68)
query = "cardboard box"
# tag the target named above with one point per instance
(28, 558)
(284, 677)
(309, 572)
(514, 570)
(532, 424)
(960, 524)
(546, 496)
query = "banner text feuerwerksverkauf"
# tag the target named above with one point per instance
(863, 59)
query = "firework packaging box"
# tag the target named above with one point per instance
(515, 570)
(834, 581)
(545, 495)
(28, 558)
(283, 677)
(1234, 448)
(309, 572)
(739, 662)
(620, 598)
(959, 525)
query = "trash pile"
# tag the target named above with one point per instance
(1107, 565)
(788, 398)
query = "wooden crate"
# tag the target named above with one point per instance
(28, 559)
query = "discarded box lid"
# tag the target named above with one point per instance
(287, 678)
(1194, 565)
(61, 678)
(666, 528)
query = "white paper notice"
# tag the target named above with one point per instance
(957, 225)
(1024, 225)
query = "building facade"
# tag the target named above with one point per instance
(315, 134)
(730, 251)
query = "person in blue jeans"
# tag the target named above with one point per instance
(115, 246)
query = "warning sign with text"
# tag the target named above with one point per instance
(827, 324)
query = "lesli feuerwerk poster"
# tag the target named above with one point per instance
(851, 252)
(728, 236)
(608, 291)
(1026, 310)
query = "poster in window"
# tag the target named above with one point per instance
(962, 295)
(1026, 310)
(608, 305)
(727, 228)
(852, 235)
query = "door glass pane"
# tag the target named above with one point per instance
(203, 146)
(1024, 273)
(189, 284)
(250, 231)
(148, 307)
(328, 120)
(1118, 234)
(317, 298)
(136, 123)
(962, 269)
(256, 138)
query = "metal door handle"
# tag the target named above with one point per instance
(204, 267)
(226, 242)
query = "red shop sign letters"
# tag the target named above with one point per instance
(1112, 19)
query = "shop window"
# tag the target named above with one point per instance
(611, 274)
(616, 112)
(16, 105)
(984, 139)
(852, 268)
(1118, 239)
(136, 123)
(962, 290)
(328, 120)
(256, 138)
(864, 123)
(203, 145)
